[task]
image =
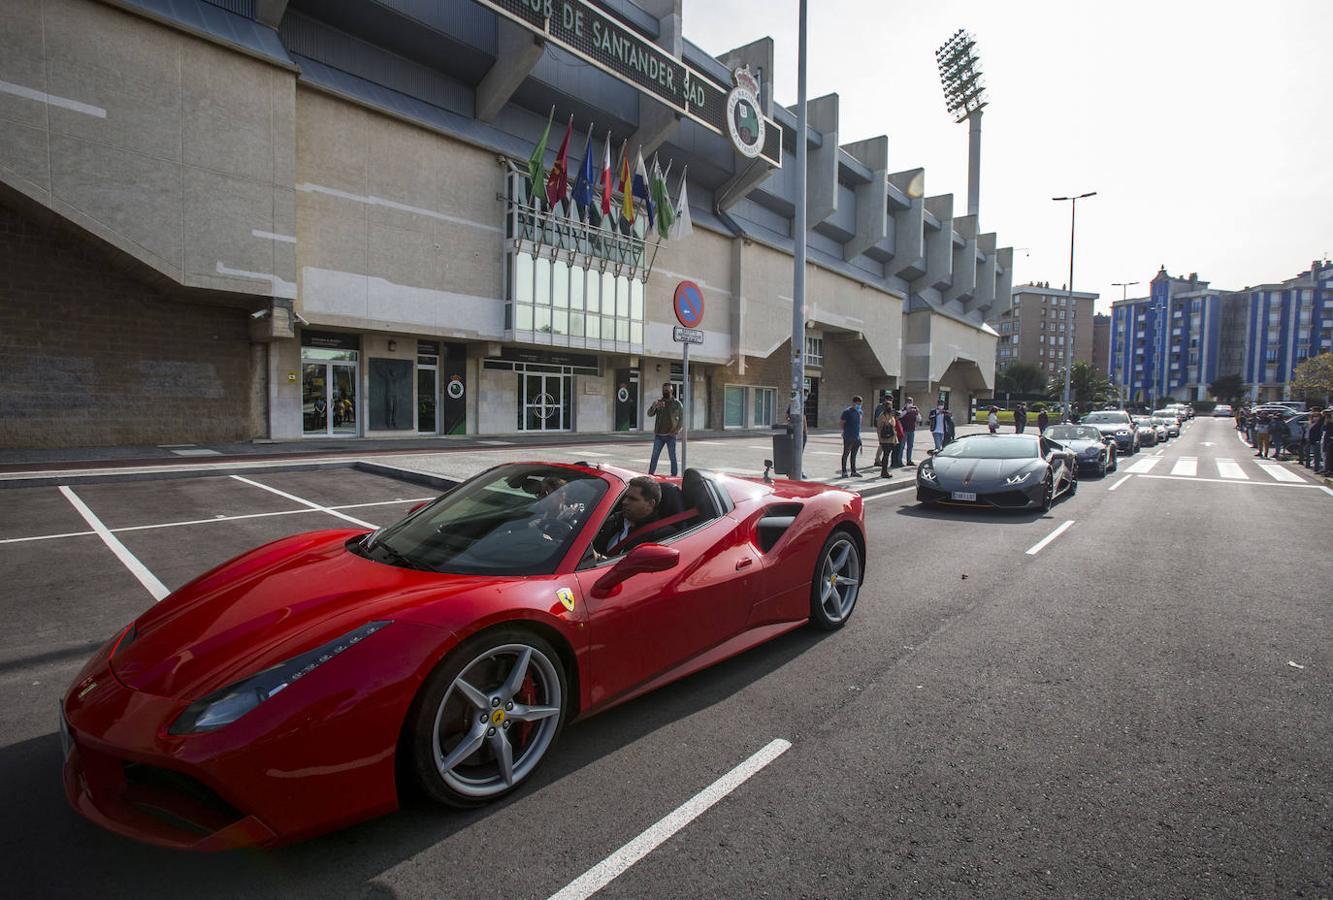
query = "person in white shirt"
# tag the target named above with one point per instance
(993, 420)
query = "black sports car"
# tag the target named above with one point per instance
(1008, 471)
(1115, 423)
(1091, 449)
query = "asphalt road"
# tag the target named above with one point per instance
(1117, 713)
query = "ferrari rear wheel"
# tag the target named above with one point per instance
(487, 717)
(837, 582)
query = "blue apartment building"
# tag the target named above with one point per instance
(1185, 334)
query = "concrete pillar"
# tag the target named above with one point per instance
(964, 281)
(909, 225)
(872, 198)
(983, 298)
(759, 57)
(822, 162)
(517, 52)
(939, 245)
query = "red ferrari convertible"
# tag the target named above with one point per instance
(301, 686)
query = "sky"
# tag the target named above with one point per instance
(1204, 126)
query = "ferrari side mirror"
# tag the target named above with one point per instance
(642, 559)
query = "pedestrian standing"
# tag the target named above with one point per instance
(1277, 435)
(1020, 418)
(1239, 414)
(1314, 440)
(885, 405)
(910, 418)
(1042, 421)
(1261, 434)
(851, 435)
(897, 461)
(886, 427)
(668, 414)
(1326, 450)
(948, 428)
(993, 420)
(937, 425)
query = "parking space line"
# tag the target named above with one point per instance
(1120, 482)
(615, 865)
(296, 499)
(887, 494)
(1061, 529)
(214, 520)
(137, 569)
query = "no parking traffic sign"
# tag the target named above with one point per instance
(689, 304)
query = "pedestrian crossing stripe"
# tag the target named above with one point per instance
(1281, 473)
(1228, 468)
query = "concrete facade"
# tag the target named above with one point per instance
(352, 207)
(1101, 342)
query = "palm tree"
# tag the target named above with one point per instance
(1088, 388)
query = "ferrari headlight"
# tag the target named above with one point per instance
(1018, 479)
(927, 473)
(229, 704)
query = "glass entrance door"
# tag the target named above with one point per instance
(427, 402)
(328, 398)
(544, 402)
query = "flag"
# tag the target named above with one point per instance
(626, 190)
(583, 183)
(682, 227)
(641, 185)
(537, 163)
(606, 176)
(557, 183)
(662, 200)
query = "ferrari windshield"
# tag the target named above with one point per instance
(512, 520)
(1106, 417)
(990, 446)
(1073, 433)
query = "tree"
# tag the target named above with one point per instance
(1230, 389)
(1020, 378)
(1313, 379)
(1088, 387)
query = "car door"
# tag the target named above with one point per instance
(655, 621)
(1058, 460)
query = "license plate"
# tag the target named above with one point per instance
(66, 742)
(964, 495)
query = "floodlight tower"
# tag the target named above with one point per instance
(965, 98)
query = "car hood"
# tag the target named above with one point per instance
(967, 472)
(266, 606)
(1111, 427)
(1082, 445)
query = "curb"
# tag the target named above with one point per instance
(425, 479)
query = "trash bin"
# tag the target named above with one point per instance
(782, 450)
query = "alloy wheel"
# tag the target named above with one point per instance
(497, 720)
(840, 579)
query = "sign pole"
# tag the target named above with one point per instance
(685, 422)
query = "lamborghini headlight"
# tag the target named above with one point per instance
(1019, 478)
(229, 704)
(927, 473)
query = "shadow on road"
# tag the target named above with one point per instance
(985, 516)
(52, 851)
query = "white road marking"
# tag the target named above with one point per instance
(1120, 482)
(218, 518)
(1281, 473)
(589, 453)
(602, 874)
(1206, 443)
(1326, 489)
(137, 569)
(1225, 481)
(1144, 466)
(1229, 468)
(1186, 465)
(887, 494)
(303, 502)
(1061, 529)
(271, 236)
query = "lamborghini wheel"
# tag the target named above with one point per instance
(1048, 493)
(487, 717)
(837, 582)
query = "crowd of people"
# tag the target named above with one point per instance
(1271, 431)
(894, 429)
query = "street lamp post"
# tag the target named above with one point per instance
(1069, 344)
(1124, 288)
(797, 417)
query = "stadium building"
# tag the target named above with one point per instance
(276, 219)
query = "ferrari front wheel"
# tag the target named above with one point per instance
(837, 582)
(487, 717)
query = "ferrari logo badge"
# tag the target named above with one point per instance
(566, 598)
(498, 717)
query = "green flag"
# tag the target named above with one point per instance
(537, 164)
(661, 200)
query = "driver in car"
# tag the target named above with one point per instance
(559, 505)
(629, 526)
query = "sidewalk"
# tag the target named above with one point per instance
(438, 460)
